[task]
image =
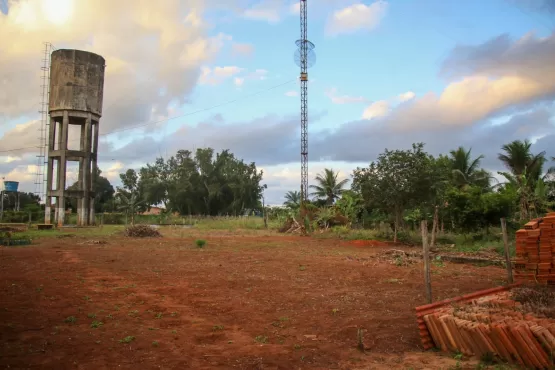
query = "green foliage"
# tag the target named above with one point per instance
(199, 184)
(328, 188)
(104, 193)
(200, 243)
(351, 205)
(28, 202)
(292, 199)
(472, 209)
(405, 186)
(397, 180)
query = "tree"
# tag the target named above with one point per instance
(328, 187)
(29, 202)
(525, 172)
(396, 181)
(292, 199)
(465, 170)
(207, 183)
(104, 193)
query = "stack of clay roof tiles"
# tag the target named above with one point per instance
(535, 251)
(490, 323)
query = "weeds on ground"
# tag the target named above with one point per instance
(200, 243)
(96, 324)
(127, 339)
(70, 319)
(217, 328)
(261, 339)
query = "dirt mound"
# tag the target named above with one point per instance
(141, 231)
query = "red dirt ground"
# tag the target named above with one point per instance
(191, 308)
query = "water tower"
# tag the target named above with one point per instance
(76, 92)
(8, 188)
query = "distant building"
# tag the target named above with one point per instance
(154, 211)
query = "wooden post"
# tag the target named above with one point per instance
(426, 256)
(507, 253)
(434, 228)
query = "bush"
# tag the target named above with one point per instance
(200, 243)
(141, 231)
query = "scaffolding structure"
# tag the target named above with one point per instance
(40, 178)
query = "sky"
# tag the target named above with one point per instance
(221, 74)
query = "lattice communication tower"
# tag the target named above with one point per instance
(304, 58)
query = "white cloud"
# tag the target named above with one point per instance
(238, 81)
(265, 10)
(217, 75)
(376, 110)
(242, 49)
(356, 17)
(295, 8)
(170, 43)
(344, 99)
(406, 96)
(292, 93)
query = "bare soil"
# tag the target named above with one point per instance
(243, 302)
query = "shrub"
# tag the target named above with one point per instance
(200, 243)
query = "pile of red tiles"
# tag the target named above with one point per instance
(492, 324)
(535, 251)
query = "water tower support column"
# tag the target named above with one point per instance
(49, 172)
(94, 158)
(62, 169)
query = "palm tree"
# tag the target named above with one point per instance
(465, 170)
(525, 171)
(292, 199)
(519, 159)
(328, 187)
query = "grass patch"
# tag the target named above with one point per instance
(127, 339)
(261, 339)
(106, 230)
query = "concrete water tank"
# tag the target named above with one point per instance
(76, 81)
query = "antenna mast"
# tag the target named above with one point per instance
(304, 58)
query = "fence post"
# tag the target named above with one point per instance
(507, 252)
(426, 256)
